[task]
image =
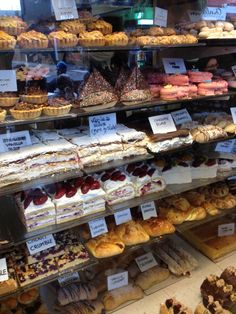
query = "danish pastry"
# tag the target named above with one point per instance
(156, 226)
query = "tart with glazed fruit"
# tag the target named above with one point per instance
(8, 99)
(25, 111)
(35, 95)
(57, 107)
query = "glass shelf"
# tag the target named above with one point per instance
(119, 107)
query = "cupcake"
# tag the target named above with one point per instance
(34, 95)
(8, 99)
(26, 111)
(57, 107)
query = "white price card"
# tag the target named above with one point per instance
(160, 17)
(14, 141)
(8, 81)
(40, 244)
(123, 216)
(68, 278)
(233, 113)
(194, 15)
(225, 147)
(181, 116)
(162, 124)
(65, 9)
(102, 124)
(234, 69)
(148, 210)
(3, 270)
(117, 281)
(174, 65)
(146, 261)
(214, 14)
(97, 227)
(225, 230)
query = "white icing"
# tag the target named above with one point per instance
(169, 144)
(119, 195)
(128, 135)
(177, 175)
(204, 172)
(109, 139)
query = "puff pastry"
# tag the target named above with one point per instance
(106, 245)
(156, 226)
(132, 233)
(151, 277)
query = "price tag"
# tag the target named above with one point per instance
(123, 216)
(8, 81)
(68, 278)
(160, 17)
(102, 124)
(194, 15)
(3, 270)
(65, 9)
(162, 124)
(225, 147)
(97, 227)
(233, 113)
(14, 141)
(174, 65)
(226, 229)
(40, 244)
(148, 210)
(234, 69)
(117, 281)
(146, 261)
(181, 116)
(214, 14)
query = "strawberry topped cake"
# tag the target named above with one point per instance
(117, 186)
(202, 167)
(146, 178)
(36, 209)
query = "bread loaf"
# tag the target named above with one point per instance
(151, 277)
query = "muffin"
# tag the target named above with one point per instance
(57, 107)
(25, 111)
(62, 39)
(34, 95)
(32, 39)
(8, 99)
(91, 39)
(101, 26)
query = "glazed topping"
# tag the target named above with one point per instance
(25, 106)
(113, 175)
(57, 102)
(35, 91)
(8, 94)
(37, 196)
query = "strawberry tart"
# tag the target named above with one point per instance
(146, 178)
(117, 186)
(36, 209)
(199, 77)
(204, 168)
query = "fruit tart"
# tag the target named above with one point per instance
(34, 95)
(101, 26)
(32, 39)
(62, 39)
(6, 41)
(8, 99)
(25, 111)
(91, 39)
(72, 26)
(12, 25)
(57, 107)
(116, 39)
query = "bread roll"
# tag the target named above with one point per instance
(106, 245)
(114, 298)
(151, 277)
(132, 233)
(195, 198)
(157, 226)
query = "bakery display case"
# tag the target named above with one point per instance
(117, 157)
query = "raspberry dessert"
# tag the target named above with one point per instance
(117, 185)
(146, 178)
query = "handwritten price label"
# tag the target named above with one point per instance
(160, 17)
(181, 116)
(146, 262)
(3, 270)
(117, 281)
(148, 210)
(174, 65)
(162, 124)
(40, 244)
(97, 227)
(123, 216)
(225, 230)
(68, 278)
(214, 14)
(8, 81)
(14, 141)
(102, 124)
(65, 9)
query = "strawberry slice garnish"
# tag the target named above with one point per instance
(130, 168)
(89, 180)
(95, 185)
(105, 177)
(78, 182)
(27, 201)
(122, 177)
(85, 188)
(60, 192)
(70, 191)
(40, 200)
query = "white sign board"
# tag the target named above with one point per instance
(162, 124)
(214, 14)
(146, 261)
(8, 81)
(194, 15)
(174, 65)
(40, 244)
(117, 281)
(233, 113)
(97, 227)
(68, 278)
(102, 124)
(3, 270)
(225, 230)
(123, 216)
(160, 17)
(234, 69)
(14, 141)
(148, 210)
(225, 147)
(65, 9)
(181, 116)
